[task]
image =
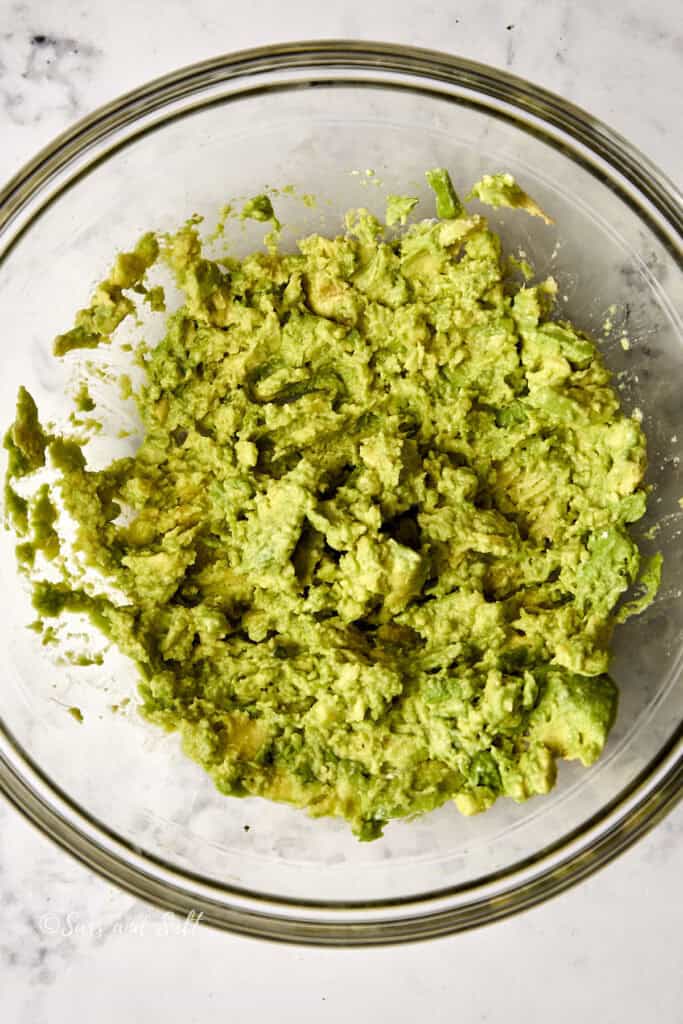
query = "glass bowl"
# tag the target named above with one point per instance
(118, 793)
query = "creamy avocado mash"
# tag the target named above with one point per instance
(367, 556)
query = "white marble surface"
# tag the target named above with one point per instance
(70, 943)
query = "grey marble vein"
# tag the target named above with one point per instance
(42, 73)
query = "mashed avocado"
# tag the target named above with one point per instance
(367, 556)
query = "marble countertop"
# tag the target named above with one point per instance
(608, 950)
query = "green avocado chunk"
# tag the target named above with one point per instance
(399, 209)
(502, 190)
(447, 201)
(368, 552)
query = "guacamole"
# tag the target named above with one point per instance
(368, 553)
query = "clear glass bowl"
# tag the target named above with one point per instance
(118, 793)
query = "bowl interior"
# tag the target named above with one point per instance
(616, 277)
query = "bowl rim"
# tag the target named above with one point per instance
(628, 816)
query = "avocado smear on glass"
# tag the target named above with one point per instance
(367, 555)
